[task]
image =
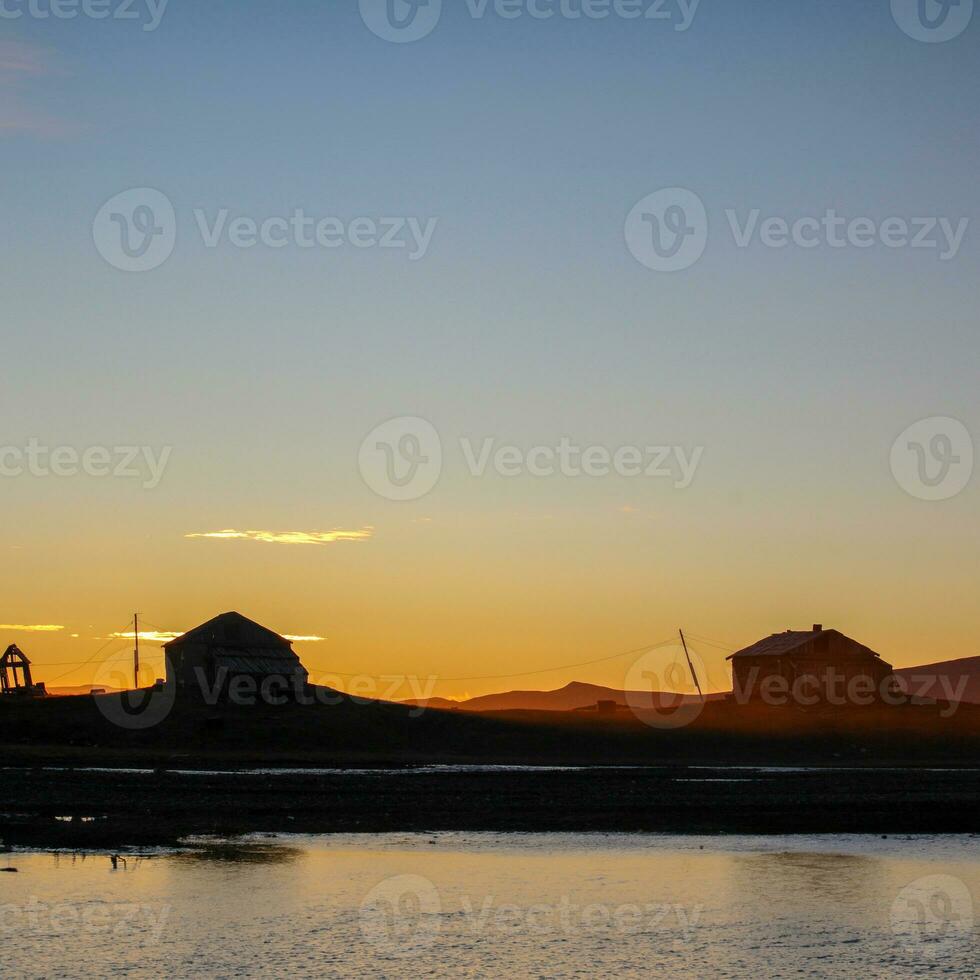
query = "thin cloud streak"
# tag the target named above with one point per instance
(32, 629)
(18, 59)
(21, 66)
(151, 636)
(288, 537)
(158, 636)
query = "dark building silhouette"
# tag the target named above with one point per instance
(605, 706)
(15, 674)
(817, 662)
(231, 646)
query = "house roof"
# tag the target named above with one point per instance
(781, 644)
(258, 662)
(232, 629)
(14, 655)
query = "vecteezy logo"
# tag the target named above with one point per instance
(933, 459)
(661, 689)
(135, 710)
(933, 21)
(401, 459)
(933, 916)
(400, 916)
(401, 21)
(668, 230)
(136, 231)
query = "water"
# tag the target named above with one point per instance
(745, 773)
(546, 905)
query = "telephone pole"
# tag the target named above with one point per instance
(136, 651)
(697, 683)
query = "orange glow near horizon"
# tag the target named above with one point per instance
(485, 594)
(421, 670)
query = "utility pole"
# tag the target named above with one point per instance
(697, 683)
(136, 651)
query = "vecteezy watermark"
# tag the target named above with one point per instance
(401, 21)
(932, 21)
(248, 691)
(567, 459)
(833, 230)
(133, 710)
(402, 459)
(100, 462)
(834, 687)
(402, 917)
(668, 687)
(121, 920)
(933, 458)
(136, 231)
(661, 686)
(679, 14)
(404, 21)
(667, 231)
(148, 12)
(933, 917)
(145, 708)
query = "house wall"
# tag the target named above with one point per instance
(183, 661)
(824, 668)
(187, 663)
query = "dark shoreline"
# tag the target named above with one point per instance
(902, 770)
(163, 807)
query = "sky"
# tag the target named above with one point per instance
(485, 275)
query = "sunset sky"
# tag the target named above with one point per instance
(250, 377)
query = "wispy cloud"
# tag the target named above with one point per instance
(18, 59)
(151, 636)
(158, 636)
(22, 66)
(288, 537)
(635, 511)
(32, 629)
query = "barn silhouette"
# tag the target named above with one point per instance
(231, 646)
(817, 660)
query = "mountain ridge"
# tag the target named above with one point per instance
(926, 681)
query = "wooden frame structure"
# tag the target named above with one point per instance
(11, 662)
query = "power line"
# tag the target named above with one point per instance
(712, 643)
(478, 677)
(82, 663)
(89, 659)
(543, 670)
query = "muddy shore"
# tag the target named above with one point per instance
(50, 808)
(64, 779)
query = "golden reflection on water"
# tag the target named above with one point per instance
(492, 904)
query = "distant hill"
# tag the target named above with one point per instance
(567, 698)
(64, 692)
(927, 681)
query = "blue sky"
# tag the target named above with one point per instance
(528, 318)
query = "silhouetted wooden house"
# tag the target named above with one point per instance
(814, 662)
(227, 647)
(15, 674)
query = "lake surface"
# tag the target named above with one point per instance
(464, 904)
